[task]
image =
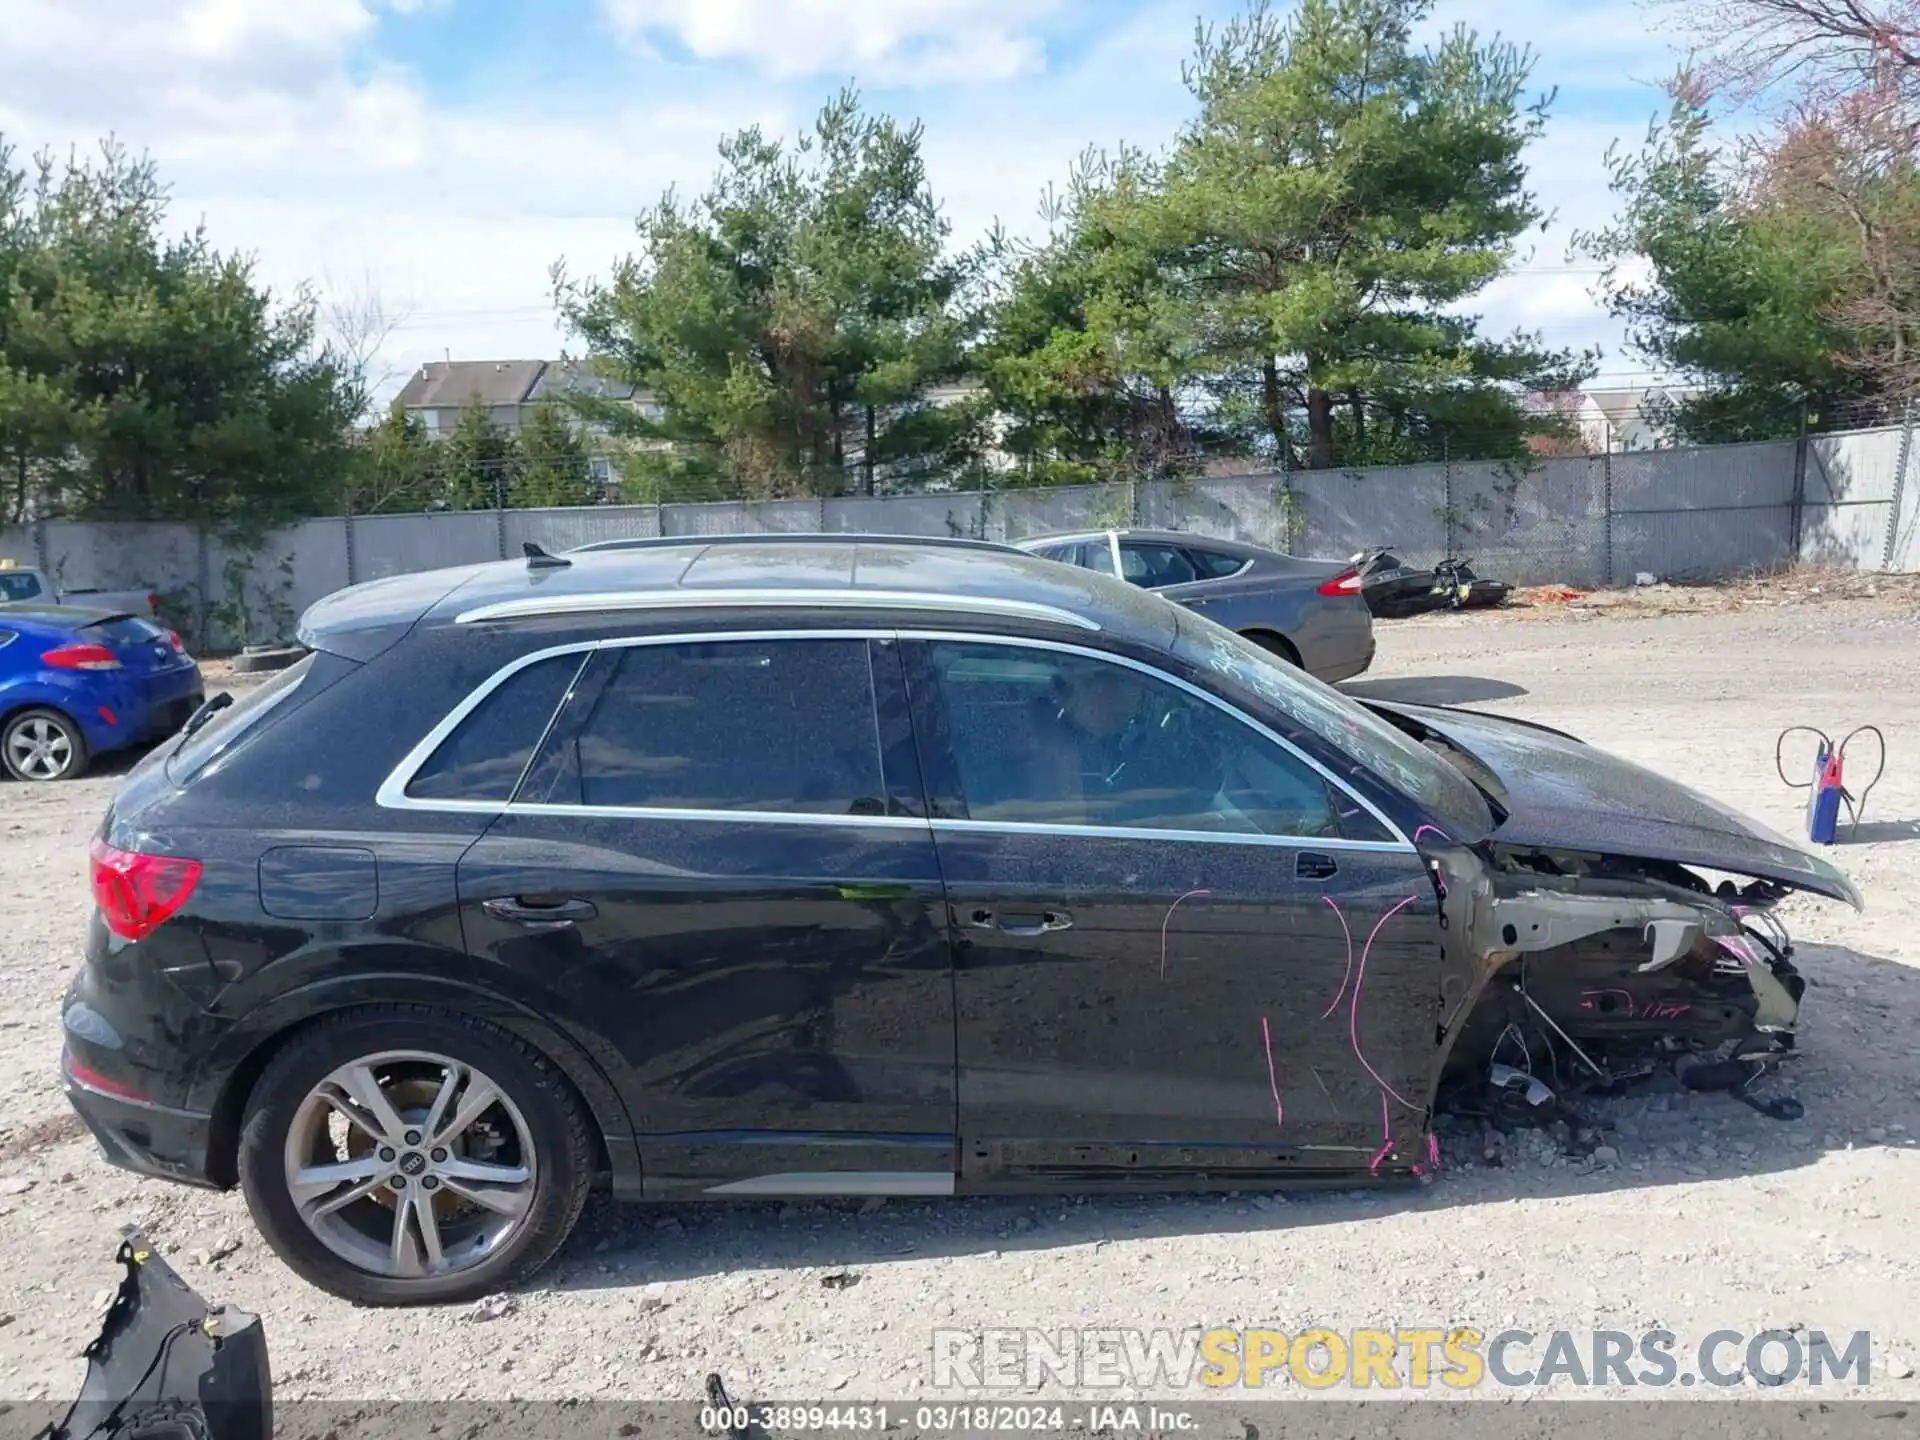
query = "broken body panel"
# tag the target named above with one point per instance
(1581, 939)
(168, 1366)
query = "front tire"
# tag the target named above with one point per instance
(42, 745)
(406, 1155)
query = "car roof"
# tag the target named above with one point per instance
(1172, 537)
(665, 542)
(847, 573)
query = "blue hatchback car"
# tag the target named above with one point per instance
(76, 683)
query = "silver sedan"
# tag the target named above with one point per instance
(1309, 612)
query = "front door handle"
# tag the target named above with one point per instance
(540, 914)
(1043, 922)
(1312, 866)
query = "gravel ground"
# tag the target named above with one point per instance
(1701, 1215)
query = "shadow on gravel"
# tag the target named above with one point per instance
(1433, 689)
(1859, 1036)
(1882, 832)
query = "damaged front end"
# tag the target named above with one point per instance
(1571, 972)
(167, 1366)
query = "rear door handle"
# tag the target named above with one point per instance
(1043, 922)
(1313, 866)
(540, 914)
(1034, 922)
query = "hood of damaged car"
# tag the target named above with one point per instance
(1563, 794)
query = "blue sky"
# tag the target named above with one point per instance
(443, 153)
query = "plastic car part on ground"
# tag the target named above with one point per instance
(167, 1364)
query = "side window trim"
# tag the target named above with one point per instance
(392, 794)
(941, 773)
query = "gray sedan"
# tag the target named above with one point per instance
(1308, 612)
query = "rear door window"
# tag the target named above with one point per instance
(1155, 566)
(774, 725)
(486, 753)
(1214, 564)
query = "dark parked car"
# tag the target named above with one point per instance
(853, 868)
(1308, 612)
(78, 682)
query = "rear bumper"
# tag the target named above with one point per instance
(147, 1139)
(148, 711)
(1345, 667)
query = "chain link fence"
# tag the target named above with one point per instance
(1697, 514)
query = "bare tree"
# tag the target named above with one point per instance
(1853, 162)
(358, 321)
(1818, 49)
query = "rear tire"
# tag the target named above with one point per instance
(42, 745)
(1277, 645)
(537, 1128)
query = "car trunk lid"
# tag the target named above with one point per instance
(141, 647)
(1562, 794)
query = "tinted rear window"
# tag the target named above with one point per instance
(488, 751)
(771, 725)
(226, 726)
(125, 630)
(19, 587)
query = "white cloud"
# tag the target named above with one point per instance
(279, 123)
(888, 41)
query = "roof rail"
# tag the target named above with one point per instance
(792, 537)
(811, 597)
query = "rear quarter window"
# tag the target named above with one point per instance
(487, 751)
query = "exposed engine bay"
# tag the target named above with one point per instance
(1574, 974)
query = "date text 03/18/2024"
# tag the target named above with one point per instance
(945, 1419)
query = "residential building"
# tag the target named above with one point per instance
(442, 390)
(1609, 421)
(439, 392)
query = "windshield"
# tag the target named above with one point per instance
(1395, 757)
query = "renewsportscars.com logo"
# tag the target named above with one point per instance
(1413, 1358)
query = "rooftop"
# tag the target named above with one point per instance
(824, 573)
(451, 384)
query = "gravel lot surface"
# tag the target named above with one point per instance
(1700, 1216)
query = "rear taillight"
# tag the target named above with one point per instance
(81, 657)
(1347, 582)
(153, 603)
(138, 893)
(179, 645)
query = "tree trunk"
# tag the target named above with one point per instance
(1357, 445)
(1273, 404)
(1319, 428)
(867, 458)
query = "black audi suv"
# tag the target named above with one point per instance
(838, 866)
